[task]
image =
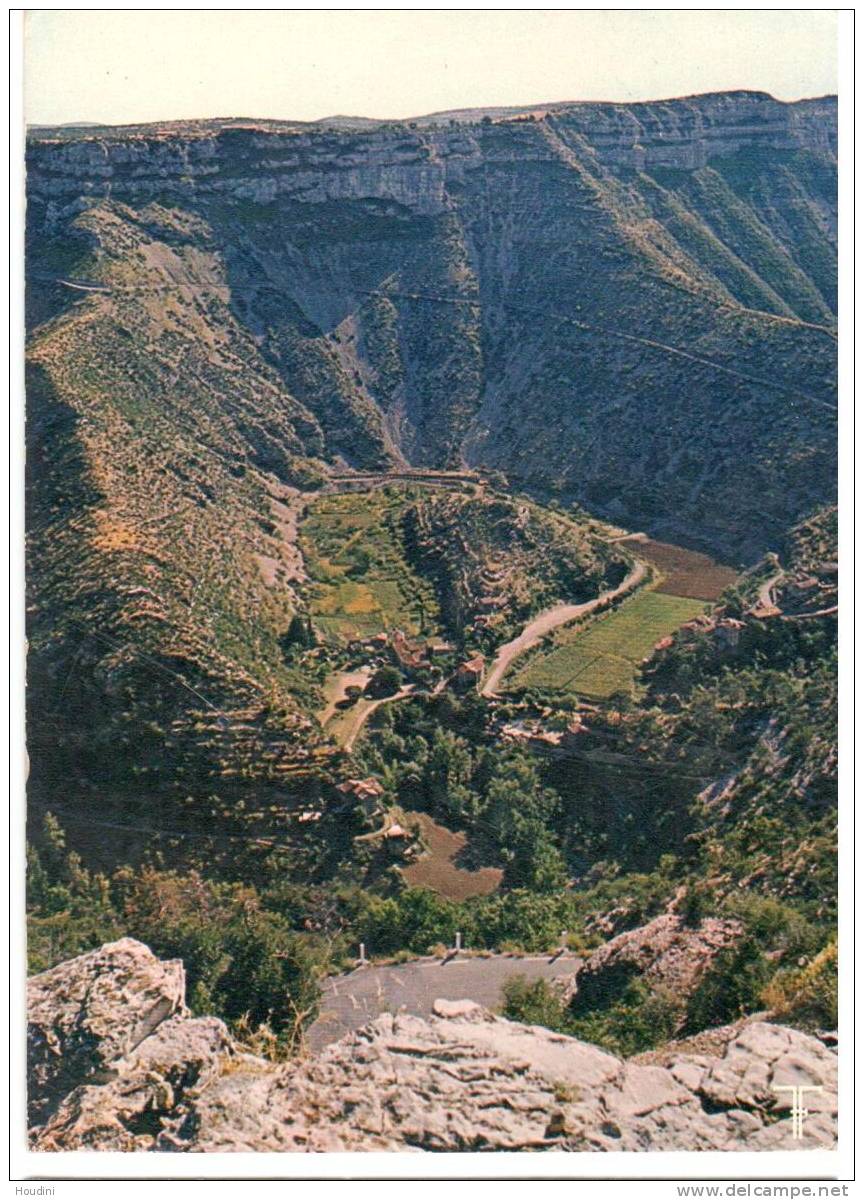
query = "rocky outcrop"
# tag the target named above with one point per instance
(569, 295)
(667, 952)
(128, 1107)
(686, 134)
(464, 1080)
(91, 1012)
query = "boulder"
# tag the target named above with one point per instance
(131, 1109)
(86, 1013)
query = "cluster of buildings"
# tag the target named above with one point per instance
(367, 794)
(416, 654)
(403, 651)
(533, 735)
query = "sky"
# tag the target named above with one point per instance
(124, 67)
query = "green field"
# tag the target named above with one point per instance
(602, 659)
(361, 582)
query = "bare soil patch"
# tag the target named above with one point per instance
(437, 869)
(686, 572)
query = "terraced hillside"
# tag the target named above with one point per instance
(761, 705)
(362, 582)
(602, 657)
(468, 564)
(163, 462)
(731, 750)
(625, 306)
(496, 561)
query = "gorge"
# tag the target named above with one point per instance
(326, 415)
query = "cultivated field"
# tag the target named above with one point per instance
(437, 869)
(685, 572)
(362, 584)
(602, 659)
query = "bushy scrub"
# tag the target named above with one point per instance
(806, 996)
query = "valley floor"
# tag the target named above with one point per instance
(554, 618)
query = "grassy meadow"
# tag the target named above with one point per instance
(361, 581)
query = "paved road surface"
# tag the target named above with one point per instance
(561, 614)
(350, 1001)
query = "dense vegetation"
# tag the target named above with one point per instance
(727, 791)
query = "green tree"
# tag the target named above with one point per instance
(447, 774)
(517, 815)
(731, 988)
(385, 682)
(298, 636)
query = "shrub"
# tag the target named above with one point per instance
(731, 988)
(534, 1002)
(642, 1017)
(806, 997)
(698, 903)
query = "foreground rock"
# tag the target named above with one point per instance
(88, 1012)
(464, 1080)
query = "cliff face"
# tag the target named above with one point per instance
(416, 164)
(630, 304)
(117, 1063)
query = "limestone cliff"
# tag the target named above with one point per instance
(117, 1063)
(628, 304)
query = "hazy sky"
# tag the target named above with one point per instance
(121, 67)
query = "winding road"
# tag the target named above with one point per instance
(552, 618)
(365, 709)
(350, 1001)
(766, 591)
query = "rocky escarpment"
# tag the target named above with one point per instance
(665, 952)
(139, 1073)
(632, 305)
(407, 165)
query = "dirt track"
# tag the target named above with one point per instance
(338, 687)
(365, 709)
(552, 618)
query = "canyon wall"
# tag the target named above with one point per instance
(631, 305)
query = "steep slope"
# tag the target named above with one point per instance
(628, 304)
(628, 373)
(495, 561)
(163, 455)
(750, 694)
